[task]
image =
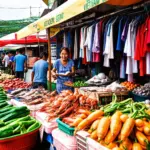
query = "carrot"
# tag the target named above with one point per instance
(76, 122)
(94, 135)
(116, 124)
(143, 147)
(136, 146)
(126, 144)
(147, 130)
(116, 148)
(83, 124)
(82, 111)
(141, 138)
(103, 143)
(127, 128)
(139, 123)
(109, 138)
(95, 125)
(90, 131)
(95, 115)
(148, 137)
(124, 117)
(103, 127)
(112, 145)
(83, 116)
(140, 128)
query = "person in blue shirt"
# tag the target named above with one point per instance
(63, 70)
(20, 64)
(39, 73)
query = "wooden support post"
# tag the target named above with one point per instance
(49, 56)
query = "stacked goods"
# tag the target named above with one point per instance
(14, 121)
(67, 103)
(119, 125)
(16, 83)
(143, 90)
(129, 85)
(5, 76)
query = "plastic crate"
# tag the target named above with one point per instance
(93, 145)
(138, 98)
(65, 128)
(63, 141)
(26, 141)
(81, 137)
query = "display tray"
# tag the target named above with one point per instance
(100, 83)
(139, 98)
(65, 128)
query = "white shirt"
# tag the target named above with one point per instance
(6, 60)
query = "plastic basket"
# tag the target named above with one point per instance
(63, 141)
(26, 141)
(65, 128)
(139, 98)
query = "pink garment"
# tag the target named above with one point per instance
(96, 57)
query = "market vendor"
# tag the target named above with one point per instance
(39, 73)
(63, 70)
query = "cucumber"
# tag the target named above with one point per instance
(23, 129)
(2, 123)
(6, 131)
(3, 104)
(33, 127)
(7, 108)
(24, 118)
(27, 123)
(17, 130)
(15, 114)
(10, 121)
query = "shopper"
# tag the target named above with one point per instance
(20, 64)
(11, 61)
(39, 73)
(6, 62)
(63, 70)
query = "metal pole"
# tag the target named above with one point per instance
(49, 56)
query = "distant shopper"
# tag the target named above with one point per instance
(11, 61)
(39, 73)
(20, 64)
(6, 60)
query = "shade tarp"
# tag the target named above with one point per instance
(69, 9)
(11, 39)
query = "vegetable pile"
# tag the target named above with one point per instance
(118, 125)
(15, 121)
(67, 103)
(143, 90)
(5, 76)
(76, 84)
(11, 84)
(129, 85)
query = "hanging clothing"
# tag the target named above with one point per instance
(81, 54)
(89, 42)
(76, 55)
(119, 46)
(122, 68)
(109, 47)
(96, 44)
(148, 63)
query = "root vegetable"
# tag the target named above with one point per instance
(127, 128)
(136, 146)
(124, 117)
(103, 127)
(141, 138)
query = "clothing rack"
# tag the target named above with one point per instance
(111, 14)
(125, 9)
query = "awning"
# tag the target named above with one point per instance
(11, 39)
(69, 9)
